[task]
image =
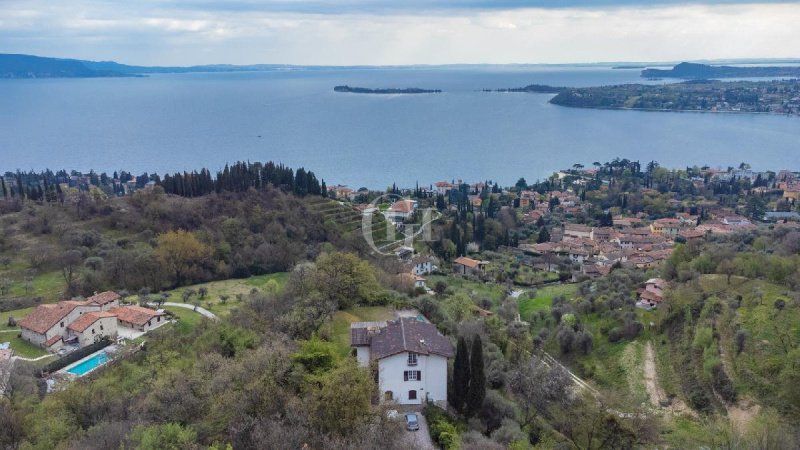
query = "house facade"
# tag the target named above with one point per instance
(410, 357)
(47, 325)
(91, 327)
(138, 318)
(422, 265)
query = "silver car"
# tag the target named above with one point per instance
(412, 423)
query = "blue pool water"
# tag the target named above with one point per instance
(90, 364)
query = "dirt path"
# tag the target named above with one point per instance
(651, 376)
(654, 391)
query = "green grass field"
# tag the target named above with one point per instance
(20, 347)
(17, 314)
(231, 288)
(544, 298)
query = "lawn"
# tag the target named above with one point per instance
(20, 347)
(17, 314)
(234, 289)
(187, 319)
(544, 298)
(474, 289)
(339, 327)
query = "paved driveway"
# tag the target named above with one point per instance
(420, 439)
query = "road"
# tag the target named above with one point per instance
(199, 309)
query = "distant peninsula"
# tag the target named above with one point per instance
(704, 72)
(773, 97)
(361, 90)
(26, 66)
(627, 67)
(532, 88)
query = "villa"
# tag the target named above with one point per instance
(411, 357)
(80, 323)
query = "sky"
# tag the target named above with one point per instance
(383, 32)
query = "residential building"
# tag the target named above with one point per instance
(91, 327)
(400, 211)
(410, 356)
(46, 326)
(666, 227)
(422, 265)
(468, 266)
(105, 300)
(574, 231)
(138, 318)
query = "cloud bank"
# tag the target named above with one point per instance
(183, 32)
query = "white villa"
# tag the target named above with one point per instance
(411, 357)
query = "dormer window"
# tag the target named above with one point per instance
(412, 359)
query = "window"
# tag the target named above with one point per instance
(62, 324)
(412, 375)
(92, 330)
(412, 359)
(101, 328)
(412, 395)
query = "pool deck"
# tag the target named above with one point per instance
(65, 370)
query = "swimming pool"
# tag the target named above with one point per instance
(89, 364)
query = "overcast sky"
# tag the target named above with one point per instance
(184, 32)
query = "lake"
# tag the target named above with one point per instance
(187, 121)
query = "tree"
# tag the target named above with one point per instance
(70, 262)
(544, 236)
(343, 400)
(202, 292)
(345, 279)
(726, 267)
(461, 376)
(169, 436)
(182, 254)
(477, 378)
(539, 389)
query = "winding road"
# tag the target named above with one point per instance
(198, 309)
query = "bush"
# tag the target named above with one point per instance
(442, 427)
(722, 384)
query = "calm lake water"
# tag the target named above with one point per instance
(177, 122)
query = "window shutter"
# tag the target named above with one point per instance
(405, 376)
(419, 375)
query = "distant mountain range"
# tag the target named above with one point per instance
(27, 66)
(694, 71)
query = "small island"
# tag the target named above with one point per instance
(771, 97)
(361, 90)
(694, 71)
(532, 89)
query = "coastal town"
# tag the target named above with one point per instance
(560, 227)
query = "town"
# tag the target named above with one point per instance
(443, 314)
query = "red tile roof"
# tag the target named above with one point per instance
(134, 314)
(103, 298)
(469, 262)
(403, 206)
(45, 317)
(53, 340)
(86, 320)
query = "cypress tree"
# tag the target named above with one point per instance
(461, 376)
(477, 379)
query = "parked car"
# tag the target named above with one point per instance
(412, 423)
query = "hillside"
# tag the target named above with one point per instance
(704, 72)
(26, 66)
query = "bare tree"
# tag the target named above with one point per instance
(538, 387)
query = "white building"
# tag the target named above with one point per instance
(422, 265)
(46, 326)
(410, 357)
(400, 211)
